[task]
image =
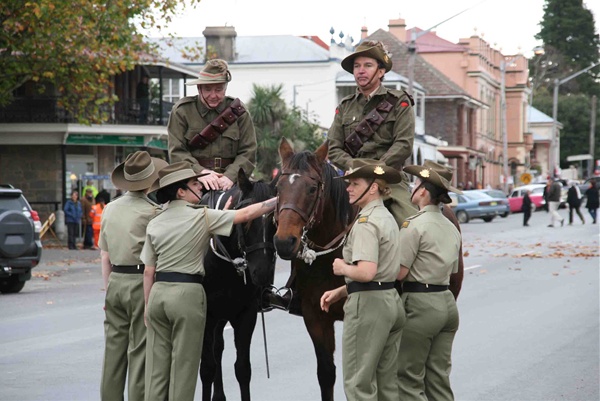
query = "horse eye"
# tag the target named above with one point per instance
(313, 190)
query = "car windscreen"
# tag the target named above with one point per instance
(476, 195)
(11, 203)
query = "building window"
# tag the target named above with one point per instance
(172, 90)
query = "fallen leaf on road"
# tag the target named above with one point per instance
(555, 274)
(465, 254)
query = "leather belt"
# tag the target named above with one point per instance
(215, 163)
(355, 286)
(128, 269)
(174, 277)
(413, 286)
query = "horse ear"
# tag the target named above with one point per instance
(321, 151)
(285, 151)
(243, 182)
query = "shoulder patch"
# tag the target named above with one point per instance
(363, 219)
(405, 224)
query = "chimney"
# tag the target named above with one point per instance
(397, 27)
(220, 41)
(363, 33)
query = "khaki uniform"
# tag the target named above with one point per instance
(176, 312)
(373, 320)
(190, 116)
(392, 143)
(122, 235)
(430, 246)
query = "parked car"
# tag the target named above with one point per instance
(515, 199)
(20, 244)
(475, 205)
(500, 197)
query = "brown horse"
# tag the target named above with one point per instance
(313, 215)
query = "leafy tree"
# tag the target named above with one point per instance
(73, 48)
(569, 36)
(272, 121)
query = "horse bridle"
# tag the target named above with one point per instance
(240, 263)
(314, 215)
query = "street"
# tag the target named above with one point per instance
(529, 329)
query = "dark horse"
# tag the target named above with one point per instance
(237, 269)
(313, 214)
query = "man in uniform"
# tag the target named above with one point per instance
(212, 131)
(122, 235)
(375, 122)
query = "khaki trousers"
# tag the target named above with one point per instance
(373, 322)
(125, 338)
(424, 362)
(176, 317)
(400, 206)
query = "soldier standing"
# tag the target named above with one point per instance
(175, 299)
(212, 131)
(375, 122)
(122, 235)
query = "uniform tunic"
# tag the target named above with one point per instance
(177, 241)
(430, 246)
(392, 143)
(190, 116)
(373, 320)
(122, 235)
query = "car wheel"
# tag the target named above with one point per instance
(488, 219)
(462, 217)
(16, 234)
(11, 285)
(504, 215)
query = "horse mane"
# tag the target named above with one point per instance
(335, 189)
(262, 191)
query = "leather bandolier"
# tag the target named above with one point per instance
(369, 125)
(219, 125)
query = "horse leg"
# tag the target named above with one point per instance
(210, 366)
(243, 328)
(321, 331)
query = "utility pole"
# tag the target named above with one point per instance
(590, 166)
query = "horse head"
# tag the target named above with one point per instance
(307, 196)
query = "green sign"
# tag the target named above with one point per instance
(121, 140)
(158, 144)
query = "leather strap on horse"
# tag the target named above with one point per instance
(336, 239)
(219, 125)
(369, 125)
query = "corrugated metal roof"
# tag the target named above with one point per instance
(252, 49)
(536, 116)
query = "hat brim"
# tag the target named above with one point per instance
(118, 177)
(185, 174)
(372, 52)
(433, 178)
(389, 174)
(206, 81)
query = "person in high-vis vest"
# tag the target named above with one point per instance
(96, 215)
(122, 235)
(176, 242)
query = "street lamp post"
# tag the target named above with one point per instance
(555, 140)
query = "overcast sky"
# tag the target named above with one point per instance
(508, 25)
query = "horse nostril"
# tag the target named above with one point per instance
(285, 247)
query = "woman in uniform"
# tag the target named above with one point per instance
(373, 312)
(176, 243)
(429, 252)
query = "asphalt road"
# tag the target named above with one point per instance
(529, 329)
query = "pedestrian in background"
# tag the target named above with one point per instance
(97, 210)
(429, 250)
(592, 200)
(174, 297)
(73, 214)
(122, 235)
(554, 193)
(526, 208)
(574, 201)
(373, 312)
(88, 231)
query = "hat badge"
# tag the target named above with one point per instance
(378, 170)
(424, 173)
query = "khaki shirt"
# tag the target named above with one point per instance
(177, 240)
(190, 116)
(123, 227)
(430, 246)
(374, 238)
(392, 143)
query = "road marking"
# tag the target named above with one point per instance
(472, 267)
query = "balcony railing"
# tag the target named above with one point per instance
(46, 110)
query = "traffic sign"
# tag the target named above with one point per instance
(526, 178)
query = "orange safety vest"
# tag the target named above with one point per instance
(96, 215)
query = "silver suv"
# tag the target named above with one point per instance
(20, 244)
